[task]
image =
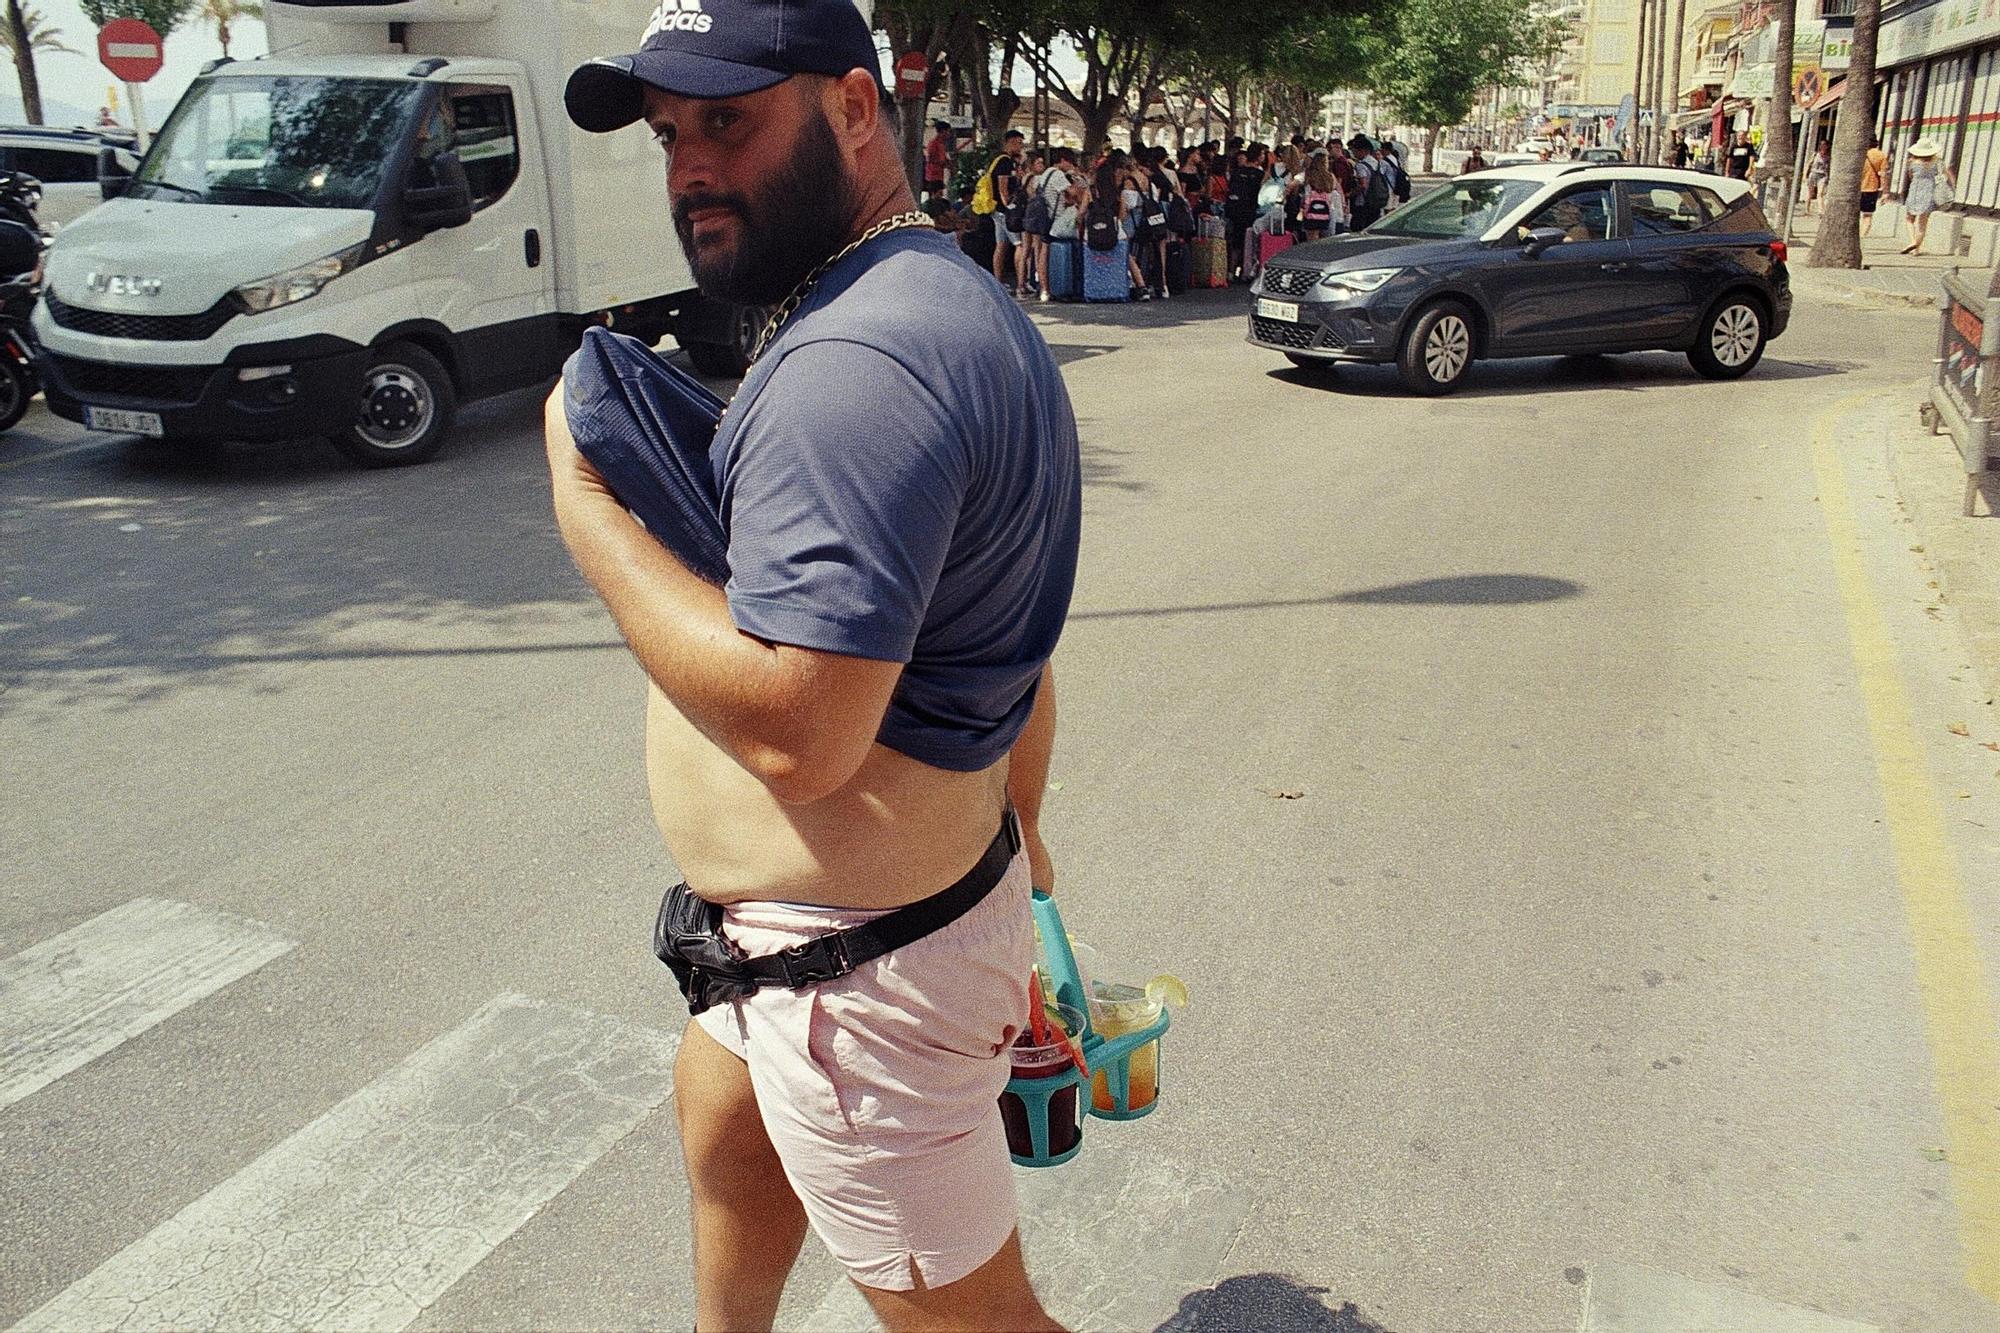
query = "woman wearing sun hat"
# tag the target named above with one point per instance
(1920, 195)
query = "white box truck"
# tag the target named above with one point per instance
(386, 217)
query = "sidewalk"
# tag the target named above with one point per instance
(1965, 552)
(1888, 277)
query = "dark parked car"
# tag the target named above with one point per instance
(1551, 259)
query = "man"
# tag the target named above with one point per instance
(1371, 183)
(1250, 167)
(835, 734)
(937, 160)
(1682, 155)
(1006, 176)
(1742, 162)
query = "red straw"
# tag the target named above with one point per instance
(1038, 1022)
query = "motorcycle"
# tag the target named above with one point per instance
(21, 248)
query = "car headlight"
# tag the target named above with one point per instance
(296, 284)
(1362, 280)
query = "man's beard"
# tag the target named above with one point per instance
(798, 219)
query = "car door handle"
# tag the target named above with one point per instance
(1614, 268)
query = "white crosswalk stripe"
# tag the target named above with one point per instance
(71, 998)
(370, 1213)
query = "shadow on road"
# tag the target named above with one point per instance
(1460, 590)
(1265, 1303)
(1542, 375)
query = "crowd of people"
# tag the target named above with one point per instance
(1152, 200)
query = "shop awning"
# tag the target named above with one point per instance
(1830, 96)
(1687, 118)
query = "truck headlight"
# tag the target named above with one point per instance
(1360, 280)
(296, 284)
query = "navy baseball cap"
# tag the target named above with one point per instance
(721, 48)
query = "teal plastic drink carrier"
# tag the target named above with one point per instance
(1111, 1056)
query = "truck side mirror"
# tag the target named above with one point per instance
(1539, 240)
(112, 177)
(444, 205)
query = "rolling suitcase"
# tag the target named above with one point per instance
(1268, 247)
(1104, 275)
(1180, 267)
(1211, 262)
(1065, 270)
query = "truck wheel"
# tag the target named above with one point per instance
(407, 406)
(729, 360)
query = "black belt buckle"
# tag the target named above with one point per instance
(815, 962)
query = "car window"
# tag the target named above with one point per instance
(1711, 203)
(1462, 210)
(56, 166)
(1580, 215)
(1662, 209)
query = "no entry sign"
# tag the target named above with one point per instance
(130, 49)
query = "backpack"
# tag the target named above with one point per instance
(1100, 226)
(1402, 182)
(1318, 210)
(1377, 197)
(985, 199)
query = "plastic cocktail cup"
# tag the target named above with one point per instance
(1115, 1012)
(1036, 1061)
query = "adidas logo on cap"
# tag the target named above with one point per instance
(677, 16)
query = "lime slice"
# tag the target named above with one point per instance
(1167, 989)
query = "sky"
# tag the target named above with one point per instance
(80, 84)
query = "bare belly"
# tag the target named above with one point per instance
(898, 831)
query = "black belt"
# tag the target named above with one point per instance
(688, 936)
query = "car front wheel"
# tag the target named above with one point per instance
(1437, 350)
(1732, 339)
(406, 409)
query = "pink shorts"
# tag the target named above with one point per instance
(881, 1091)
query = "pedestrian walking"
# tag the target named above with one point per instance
(1817, 172)
(1474, 161)
(1741, 163)
(1373, 183)
(834, 737)
(1246, 181)
(1874, 178)
(1929, 183)
(1321, 208)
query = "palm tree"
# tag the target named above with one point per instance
(25, 33)
(222, 13)
(1838, 244)
(1776, 167)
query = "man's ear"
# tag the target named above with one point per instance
(855, 109)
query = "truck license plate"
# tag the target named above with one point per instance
(1285, 310)
(124, 423)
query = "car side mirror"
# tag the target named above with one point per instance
(112, 177)
(444, 205)
(1538, 240)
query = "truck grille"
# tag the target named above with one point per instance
(1288, 281)
(153, 328)
(1280, 334)
(153, 384)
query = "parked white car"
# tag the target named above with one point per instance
(66, 163)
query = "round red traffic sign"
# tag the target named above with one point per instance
(913, 76)
(130, 49)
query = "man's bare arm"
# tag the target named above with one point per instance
(799, 720)
(1028, 776)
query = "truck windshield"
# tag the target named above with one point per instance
(278, 141)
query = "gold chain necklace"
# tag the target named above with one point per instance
(790, 305)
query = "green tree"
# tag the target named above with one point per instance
(26, 32)
(163, 15)
(1438, 54)
(1838, 244)
(225, 14)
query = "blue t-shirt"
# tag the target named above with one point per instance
(900, 481)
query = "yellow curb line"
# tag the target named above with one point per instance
(1958, 1006)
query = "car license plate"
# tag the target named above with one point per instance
(1285, 310)
(124, 423)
